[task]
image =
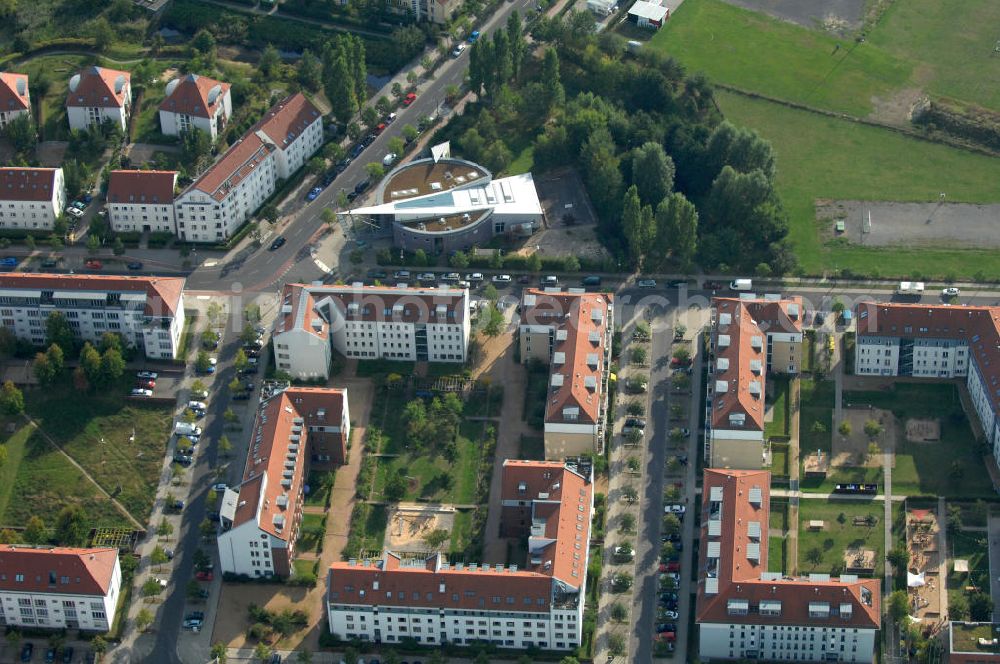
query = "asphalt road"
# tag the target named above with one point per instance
(262, 270)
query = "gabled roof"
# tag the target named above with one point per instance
(14, 92)
(195, 95)
(978, 327)
(27, 184)
(581, 321)
(288, 119)
(62, 570)
(561, 501)
(98, 87)
(274, 472)
(142, 187)
(736, 571)
(741, 343)
(163, 294)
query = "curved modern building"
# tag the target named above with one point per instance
(441, 204)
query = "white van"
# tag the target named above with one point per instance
(741, 285)
(185, 429)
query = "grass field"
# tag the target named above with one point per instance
(776, 554)
(865, 163)
(925, 468)
(95, 431)
(756, 52)
(839, 532)
(778, 395)
(461, 531)
(971, 546)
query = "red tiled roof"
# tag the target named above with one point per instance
(565, 512)
(434, 584)
(13, 92)
(142, 187)
(163, 294)
(288, 119)
(979, 327)
(98, 87)
(238, 162)
(739, 577)
(740, 351)
(61, 570)
(269, 448)
(26, 184)
(573, 313)
(191, 96)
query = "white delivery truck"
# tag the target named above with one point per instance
(185, 429)
(910, 288)
(741, 285)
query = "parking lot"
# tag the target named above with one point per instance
(570, 226)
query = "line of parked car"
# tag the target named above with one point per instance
(63, 654)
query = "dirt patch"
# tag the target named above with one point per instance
(50, 153)
(859, 561)
(410, 523)
(837, 16)
(896, 108)
(923, 431)
(937, 224)
(570, 225)
(852, 450)
(168, 74)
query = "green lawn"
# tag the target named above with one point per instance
(779, 459)
(779, 514)
(146, 125)
(367, 531)
(778, 396)
(756, 52)
(59, 69)
(839, 532)
(95, 429)
(821, 157)
(535, 398)
(320, 484)
(461, 531)
(952, 43)
(15, 444)
(522, 162)
(971, 546)
(925, 468)
(776, 554)
(387, 408)
(313, 530)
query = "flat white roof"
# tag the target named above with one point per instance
(511, 195)
(649, 10)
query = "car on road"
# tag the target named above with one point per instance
(142, 392)
(152, 375)
(409, 98)
(146, 384)
(951, 291)
(452, 276)
(592, 280)
(134, 265)
(27, 650)
(73, 212)
(192, 624)
(377, 274)
(427, 277)
(402, 275)
(93, 264)
(669, 615)
(458, 50)
(550, 280)
(474, 36)
(219, 487)
(203, 575)
(674, 508)
(474, 277)
(67, 657)
(501, 279)
(277, 244)
(313, 193)
(50, 656)
(646, 283)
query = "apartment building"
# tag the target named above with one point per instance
(935, 341)
(745, 612)
(368, 322)
(48, 587)
(142, 201)
(433, 602)
(260, 518)
(227, 195)
(750, 337)
(31, 198)
(571, 332)
(148, 312)
(15, 100)
(98, 95)
(195, 102)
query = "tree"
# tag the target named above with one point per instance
(11, 399)
(203, 46)
(616, 643)
(196, 148)
(494, 321)
(630, 495)
(899, 557)
(43, 369)
(551, 80)
(90, 362)
(741, 149)
(21, 133)
(103, 33)
(143, 619)
(396, 487)
(310, 71)
(602, 175)
(339, 86)
(516, 41)
(112, 365)
(71, 528)
(207, 528)
(158, 556)
(899, 605)
(270, 61)
(369, 116)
(637, 224)
(35, 531)
(814, 556)
(873, 429)
(99, 646)
(627, 523)
(225, 447)
(262, 652)
(58, 331)
(218, 652)
(410, 133)
(374, 170)
(241, 361)
(396, 146)
(980, 606)
(652, 173)
(202, 362)
(230, 417)
(490, 293)
(315, 166)
(618, 612)
(845, 428)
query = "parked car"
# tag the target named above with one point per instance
(277, 244)
(672, 566)
(177, 505)
(669, 615)
(67, 654)
(550, 280)
(93, 264)
(50, 656)
(9, 261)
(146, 384)
(73, 212)
(674, 508)
(134, 265)
(361, 186)
(27, 650)
(951, 291)
(142, 392)
(474, 36)
(197, 405)
(219, 487)
(409, 98)
(713, 285)
(452, 276)
(621, 553)
(152, 375)
(646, 283)
(313, 193)
(193, 624)
(377, 274)
(501, 279)
(637, 422)
(50, 262)
(426, 277)
(592, 280)
(203, 575)
(184, 459)
(241, 396)
(475, 276)
(666, 627)
(459, 49)
(401, 275)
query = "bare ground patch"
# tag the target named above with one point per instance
(938, 224)
(852, 450)
(837, 16)
(895, 109)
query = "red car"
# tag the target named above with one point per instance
(379, 129)
(678, 362)
(672, 566)
(93, 265)
(203, 576)
(409, 98)
(147, 384)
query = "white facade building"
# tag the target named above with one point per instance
(195, 102)
(58, 588)
(97, 95)
(428, 600)
(935, 341)
(368, 322)
(147, 311)
(745, 612)
(15, 99)
(142, 201)
(31, 198)
(233, 188)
